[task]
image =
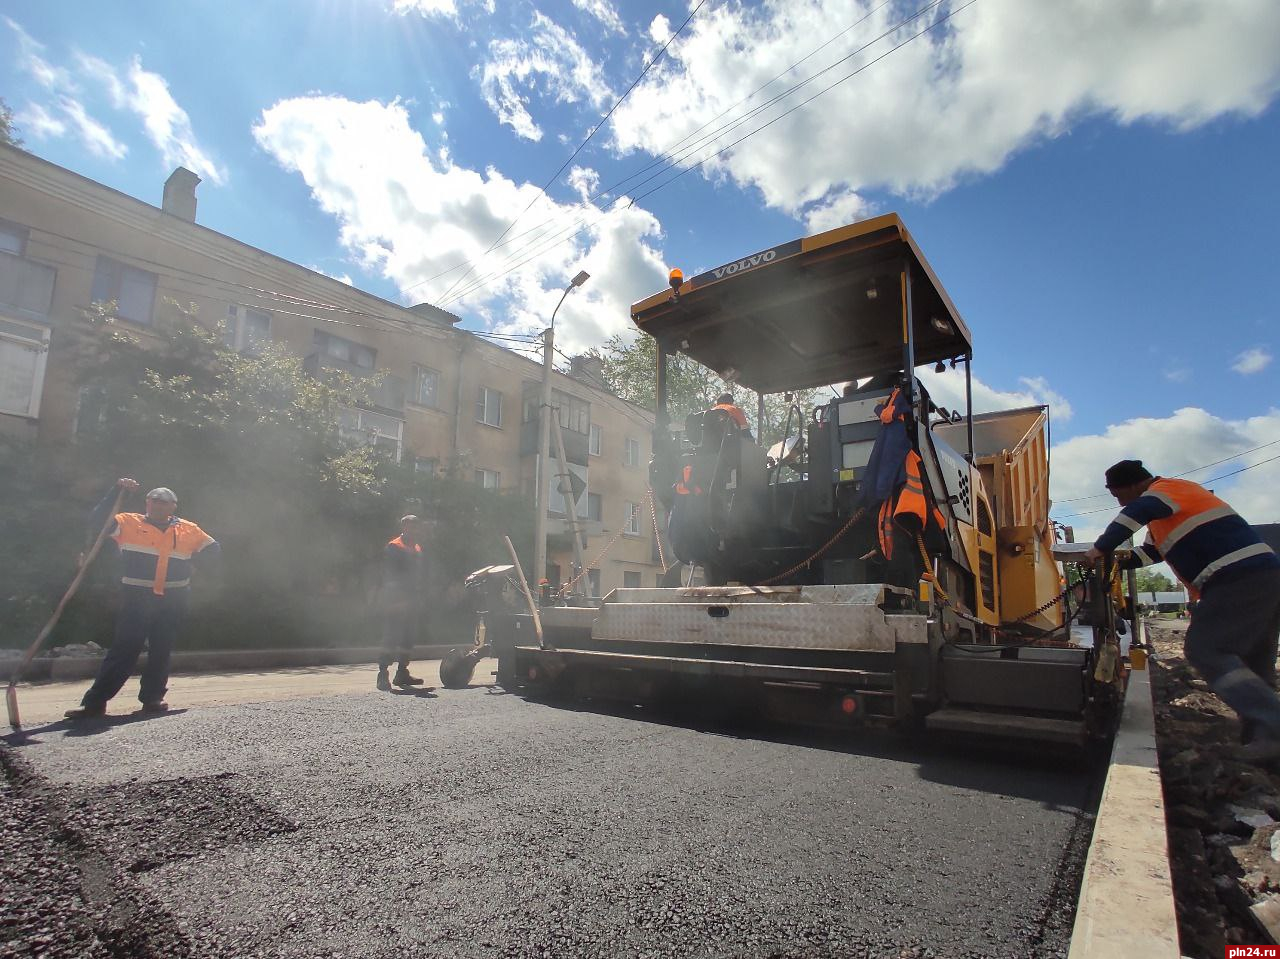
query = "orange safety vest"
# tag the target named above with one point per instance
(685, 485)
(889, 411)
(739, 418)
(1193, 502)
(911, 502)
(159, 558)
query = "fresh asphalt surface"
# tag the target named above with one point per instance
(474, 823)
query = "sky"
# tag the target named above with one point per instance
(1093, 181)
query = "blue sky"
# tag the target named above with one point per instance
(1094, 182)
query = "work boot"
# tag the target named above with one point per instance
(403, 679)
(384, 681)
(87, 712)
(155, 708)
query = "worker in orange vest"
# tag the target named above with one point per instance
(732, 412)
(158, 552)
(1235, 576)
(403, 583)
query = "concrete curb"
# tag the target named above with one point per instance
(1126, 908)
(71, 668)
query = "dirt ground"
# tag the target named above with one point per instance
(1223, 814)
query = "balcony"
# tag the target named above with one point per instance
(26, 287)
(575, 444)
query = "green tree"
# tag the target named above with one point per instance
(630, 370)
(8, 132)
(253, 445)
(1150, 581)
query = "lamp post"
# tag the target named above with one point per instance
(544, 436)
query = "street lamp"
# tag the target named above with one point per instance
(544, 435)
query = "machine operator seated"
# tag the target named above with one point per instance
(731, 415)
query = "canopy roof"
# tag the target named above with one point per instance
(817, 310)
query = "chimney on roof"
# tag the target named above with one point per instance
(180, 194)
(588, 369)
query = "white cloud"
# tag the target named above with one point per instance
(844, 207)
(603, 11)
(31, 59)
(1253, 360)
(948, 389)
(547, 62)
(340, 277)
(95, 136)
(1177, 373)
(585, 182)
(1189, 438)
(959, 101)
(140, 91)
(428, 8)
(408, 211)
(660, 29)
(167, 124)
(35, 120)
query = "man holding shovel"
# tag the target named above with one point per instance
(157, 553)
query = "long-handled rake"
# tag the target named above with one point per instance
(11, 694)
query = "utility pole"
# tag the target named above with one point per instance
(544, 471)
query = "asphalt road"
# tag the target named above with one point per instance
(475, 824)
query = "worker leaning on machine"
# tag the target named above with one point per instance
(1235, 576)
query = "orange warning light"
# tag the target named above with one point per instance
(676, 278)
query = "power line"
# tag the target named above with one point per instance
(484, 281)
(1214, 479)
(1194, 469)
(594, 130)
(669, 153)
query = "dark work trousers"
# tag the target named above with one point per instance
(144, 619)
(1232, 642)
(399, 628)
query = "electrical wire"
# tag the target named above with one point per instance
(594, 130)
(1213, 479)
(490, 278)
(1194, 469)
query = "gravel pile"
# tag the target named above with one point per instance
(1222, 813)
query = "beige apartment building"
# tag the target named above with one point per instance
(444, 396)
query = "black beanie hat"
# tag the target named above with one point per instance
(1126, 473)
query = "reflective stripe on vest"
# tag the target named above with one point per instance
(180, 540)
(1193, 507)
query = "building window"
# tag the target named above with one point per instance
(247, 330)
(13, 238)
(134, 291)
(425, 385)
(489, 407)
(593, 583)
(631, 453)
(425, 464)
(630, 580)
(632, 525)
(348, 352)
(23, 350)
(488, 479)
(593, 445)
(91, 410)
(383, 432)
(595, 507)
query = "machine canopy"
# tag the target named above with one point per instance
(814, 311)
